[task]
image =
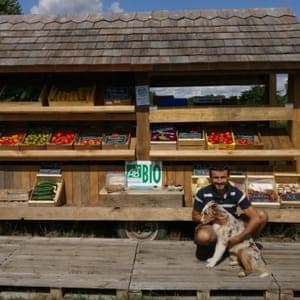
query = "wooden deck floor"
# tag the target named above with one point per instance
(127, 268)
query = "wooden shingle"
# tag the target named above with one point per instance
(151, 38)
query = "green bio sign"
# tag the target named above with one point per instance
(143, 174)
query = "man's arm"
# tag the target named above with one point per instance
(196, 215)
(251, 226)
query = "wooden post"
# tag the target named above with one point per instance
(294, 97)
(142, 123)
(271, 93)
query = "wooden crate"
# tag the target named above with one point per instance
(163, 145)
(288, 188)
(41, 99)
(238, 181)
(59, 198)
(78, 96)
(62, 146)
(118, 95)
(253, 138)
(10, 133)
(219, 146)
(261, 190)
(191, 140)
(23, 146)
(83, 137)
(116, 141)
(14, 195)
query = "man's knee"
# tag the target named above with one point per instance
(263, 216)
(205, 235)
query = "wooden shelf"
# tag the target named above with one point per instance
(70, 155)
(244, 155)
(71, 113)
(220, 114)
(21, 211)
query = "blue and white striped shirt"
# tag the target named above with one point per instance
(232, 198)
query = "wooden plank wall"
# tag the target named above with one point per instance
(84, 181)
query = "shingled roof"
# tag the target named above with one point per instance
(159, 38)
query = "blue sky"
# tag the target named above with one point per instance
(76, 6)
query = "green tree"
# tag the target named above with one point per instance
(255, 96)
(10, 7)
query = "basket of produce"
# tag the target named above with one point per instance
(288, 188)
(23, 94)
(220, 139)
(61, 139)
(190, 138)
(116, 140)
(246, 138)
(11, 139)
(261, 190)
(36, 139)
(88, 140)
(47, 191)
(68, 94)
(163, 138)
(118, 95)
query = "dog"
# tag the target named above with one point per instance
(245, 253)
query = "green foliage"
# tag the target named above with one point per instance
(255, 96)
(10, 7)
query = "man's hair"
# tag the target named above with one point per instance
(219, 168)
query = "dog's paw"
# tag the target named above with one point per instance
(210, 263)
(233, 263)
(265, 274)
(242, 273)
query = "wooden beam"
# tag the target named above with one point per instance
(97, 213)
(221, 114)
(243, 155)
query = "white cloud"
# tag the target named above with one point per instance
(187, 92)
(67, 7)
(115, 7)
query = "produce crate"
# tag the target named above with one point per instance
(163, 138)
(59, 197)
(261, 190)
(57, 141)
(238, 181)
(215, 141)
(88, 141)
(11, 139)
(66, 95)
(23, 94)
(36, 139)
(118, 95)
(288, 188)
(191, 139)
(14, 195)
(116, 141)
(199, 182)
(247, 139)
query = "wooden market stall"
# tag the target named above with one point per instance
(86, 68)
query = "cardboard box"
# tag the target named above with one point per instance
(118, 95)
(59, 197)
(247, 139)
(163, 138)
(238, 181)
(16, 136)
(28, 144)
(288, 188)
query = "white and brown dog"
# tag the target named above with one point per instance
(245, 253)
